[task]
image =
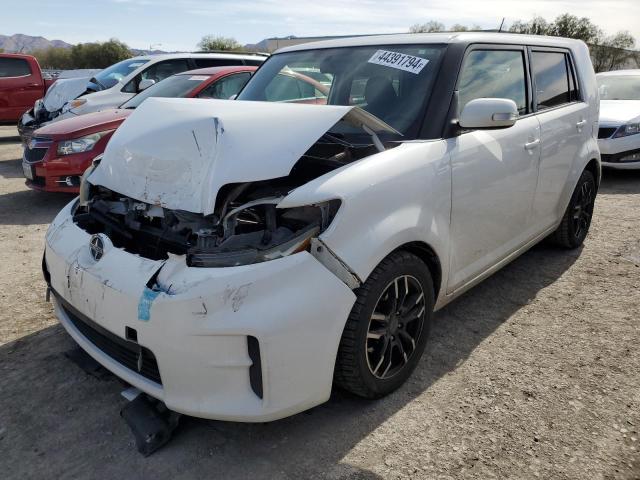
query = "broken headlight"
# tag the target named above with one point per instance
(258, 232)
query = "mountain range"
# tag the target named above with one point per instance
(21, 43)
(27, 43)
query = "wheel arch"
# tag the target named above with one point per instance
(594, 167)
(430, 258)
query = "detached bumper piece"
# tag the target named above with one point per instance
(151, 423)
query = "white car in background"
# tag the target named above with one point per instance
(619, 134)
(121, 81)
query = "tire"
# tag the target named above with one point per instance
(576, 221)
(399, 345)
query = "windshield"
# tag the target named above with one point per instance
(393, 82)
(108, 77)
(176, 86)
(619, 87)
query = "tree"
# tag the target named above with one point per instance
(99, 55)
(430, 26)
(54, 58)
(567, 25)
(613, 52)
(535, 26)
(457, 27)
(212, 43)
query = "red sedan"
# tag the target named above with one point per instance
(60, 152)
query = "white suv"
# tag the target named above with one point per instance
(234, 259)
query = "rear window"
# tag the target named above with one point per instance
(554, 80)
(177, 86)
(14, 67)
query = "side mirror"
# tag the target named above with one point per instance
(489, 113)
(146, 83)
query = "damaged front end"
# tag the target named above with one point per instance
(246, 228)
(160, 206)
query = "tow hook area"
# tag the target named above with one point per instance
(150, 421)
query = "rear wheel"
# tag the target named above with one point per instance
(577, 218)
(386, 332)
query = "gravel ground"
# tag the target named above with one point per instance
(532, 374)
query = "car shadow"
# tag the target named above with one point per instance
(11, 168)
(50, 405)
(620, 182)
(30, 207)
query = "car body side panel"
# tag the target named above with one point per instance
(589, 147)
(395, 197)
(562, 138)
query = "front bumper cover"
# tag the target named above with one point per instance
(198, 328)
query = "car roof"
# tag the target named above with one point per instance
(230, 55)
(437, 38)
(619, 73)
(220, 70)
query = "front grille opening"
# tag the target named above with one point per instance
(33, 155)
(255, 370)
(135, 357)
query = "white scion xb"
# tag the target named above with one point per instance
(235, 259)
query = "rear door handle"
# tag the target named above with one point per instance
(531, 145)
(581, 124)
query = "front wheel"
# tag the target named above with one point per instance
(387, 329)
(577, 218)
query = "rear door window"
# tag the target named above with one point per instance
(554, 80)
(14, 67)
(226, 87)
(493, 74)
(158, 72)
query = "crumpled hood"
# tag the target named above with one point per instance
(177, 153)
(619, 111)
(63, 91)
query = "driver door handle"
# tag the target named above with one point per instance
(581, 124)
(531, 145)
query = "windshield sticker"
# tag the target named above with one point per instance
(136, 65)
(400, 61)
(198, 77)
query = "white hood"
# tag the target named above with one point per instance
(177, 153)
(64, 90)
(618, 112)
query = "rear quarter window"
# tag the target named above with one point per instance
(554, 81)
(14, 67)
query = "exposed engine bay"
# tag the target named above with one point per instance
(245, 227)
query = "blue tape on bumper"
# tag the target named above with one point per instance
(144, 305)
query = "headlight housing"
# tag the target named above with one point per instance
(76, 103)
(626, 130)
(79, 145)
(282, 233)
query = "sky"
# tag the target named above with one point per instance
(180, 24)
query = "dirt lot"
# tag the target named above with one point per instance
(533, 374)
